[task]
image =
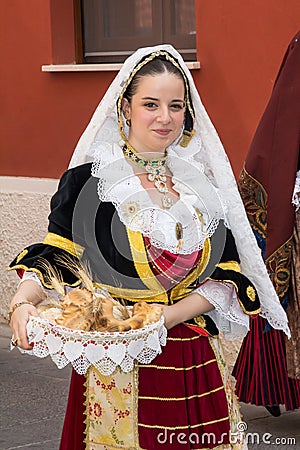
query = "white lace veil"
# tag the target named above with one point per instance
(205, 149)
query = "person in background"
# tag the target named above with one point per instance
(151, 203)
(267, 369)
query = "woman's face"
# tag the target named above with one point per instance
(156, 112)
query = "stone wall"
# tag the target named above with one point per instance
(24, 209)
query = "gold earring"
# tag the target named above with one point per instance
(128, 122)
(186, 138)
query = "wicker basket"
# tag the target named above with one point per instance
(104, 350)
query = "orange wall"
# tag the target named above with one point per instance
(240, 45)
(43, 113)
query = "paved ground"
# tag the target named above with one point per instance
(33, 395)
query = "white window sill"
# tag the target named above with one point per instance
(97, 67)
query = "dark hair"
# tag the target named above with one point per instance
(154, 67)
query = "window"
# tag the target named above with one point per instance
(110, 30)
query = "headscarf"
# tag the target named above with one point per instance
(205, 152)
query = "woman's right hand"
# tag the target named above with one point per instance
(18, 323)
(28, 295)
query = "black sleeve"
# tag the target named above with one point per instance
(63, 202)
(59, 241)
(228, 270)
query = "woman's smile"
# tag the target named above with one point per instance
(163, 132)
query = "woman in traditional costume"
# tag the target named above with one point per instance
(268, 365)
(150, 202)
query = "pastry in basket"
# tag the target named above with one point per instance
(50, 312)
(83, 311)
(77, 310)
(142, 315)
(152, 313)
(80, 310)
(73, 311)
(89, 309)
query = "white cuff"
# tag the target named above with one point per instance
(228, 314)
(31, 276)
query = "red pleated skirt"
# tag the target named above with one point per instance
(181, 398)
(261, 369)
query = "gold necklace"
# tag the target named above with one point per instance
(156, 169)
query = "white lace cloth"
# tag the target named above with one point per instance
(227, 313)
(119, 185)
(296, 193)
(105, 351)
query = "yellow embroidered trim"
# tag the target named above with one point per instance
(156, 293)
(249, 313)
(164, 427)
(21, 255)
(278, 266)
(200, 321)
(251, 293)
(230, 265)
(136, 401)
(133, 295)
(65, 244)
(255, 200)
(138, 251)
(182, 289)
(175, 399)
(40, 275)
(153, 366)
(185, 339)
(86, 404)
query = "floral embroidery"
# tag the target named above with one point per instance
(130, 209)
(255, 200)
(111, 410)
(278, 266)
(97, 410)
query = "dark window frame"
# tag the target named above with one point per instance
(185, 44)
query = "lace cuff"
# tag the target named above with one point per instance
(30, 276)
(228, 314)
